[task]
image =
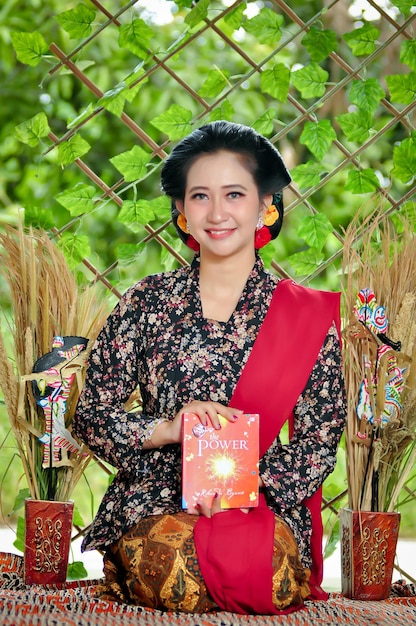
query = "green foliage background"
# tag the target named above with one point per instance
(332, 83)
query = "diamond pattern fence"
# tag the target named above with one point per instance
(319, 91)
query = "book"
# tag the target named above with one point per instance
(224, 461)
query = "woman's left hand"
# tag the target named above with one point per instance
(203, 509)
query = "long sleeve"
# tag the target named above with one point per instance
(101, 420)
(294, 471)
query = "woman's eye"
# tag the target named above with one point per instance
(199, 196)
(235, 194)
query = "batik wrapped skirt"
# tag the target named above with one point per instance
(155, 565)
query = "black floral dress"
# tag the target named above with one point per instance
(157, 338)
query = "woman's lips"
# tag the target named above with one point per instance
(220, 233)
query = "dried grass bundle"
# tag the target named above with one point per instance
(46, 302)
(380, 255)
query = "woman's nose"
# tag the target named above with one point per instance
(217, 212)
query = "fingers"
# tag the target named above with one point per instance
(203, 509)
(206, 511)
(193, 510)
(212, 412)
(216, 505)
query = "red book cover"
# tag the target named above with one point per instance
(222, 461)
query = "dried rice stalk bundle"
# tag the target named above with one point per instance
(47, 303)
(379, 266)
(8, 380)
(404, 325)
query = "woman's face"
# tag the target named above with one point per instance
(222, 204)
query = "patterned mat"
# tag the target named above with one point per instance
(75, 604)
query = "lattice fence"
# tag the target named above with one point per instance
(319, 84)
(332, 88)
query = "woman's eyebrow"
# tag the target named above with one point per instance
(203, 188)
(198, 187)
(234, 186)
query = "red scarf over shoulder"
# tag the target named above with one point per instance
(276, 373)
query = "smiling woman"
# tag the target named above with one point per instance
(255, 161)
(222, 203)
(221, 337)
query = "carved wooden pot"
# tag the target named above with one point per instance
(368, 548)
(48, 527)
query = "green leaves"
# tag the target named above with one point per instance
(184, 3)
(333, 540)
(19, 501)
(77, 519)
(362, 181)
(314, 230)
(267, 253)
(83, 116)
(215, 82)
(280, 88)
(307, 174)
(73, 149)
(136, 37)
(310, 80)
(356, 125)
(404, 159)
(366, 94)
(19, 542)
(77, 22)
(78, 200)
(306, 261)
(39, 217)
(132, 164)
(198, 13)
(408, 53)
(175, 122)
(320, 43)
(74, 247)
(224, 111)
(33, 130)
(29, 47)
(266, 26)
(235, 17)
(318, 136)
(404, 6)
(264, 124)
(276, 81)
(362, 40)
(76, 571)
(135, 213)
(115, 99)
(402, 87)
(127, 252)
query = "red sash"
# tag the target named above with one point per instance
(276, 373)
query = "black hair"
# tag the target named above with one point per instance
(262, 159)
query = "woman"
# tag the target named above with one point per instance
(198, 340)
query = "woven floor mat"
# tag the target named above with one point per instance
(75, 604)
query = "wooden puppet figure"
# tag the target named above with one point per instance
(59, 367)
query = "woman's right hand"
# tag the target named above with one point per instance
(171, 431)
(209, 411)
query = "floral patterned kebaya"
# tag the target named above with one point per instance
(157, 339)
